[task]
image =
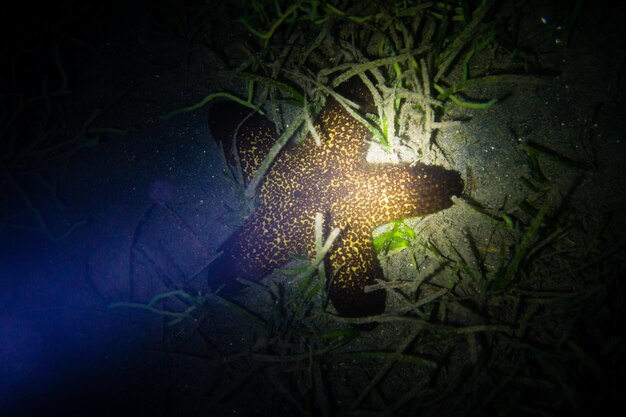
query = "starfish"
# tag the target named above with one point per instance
(334, 179)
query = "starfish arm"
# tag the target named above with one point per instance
(356, 266)
(393, 192)
(265, 242)
(254, 139)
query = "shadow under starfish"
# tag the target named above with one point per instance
(334, 179)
